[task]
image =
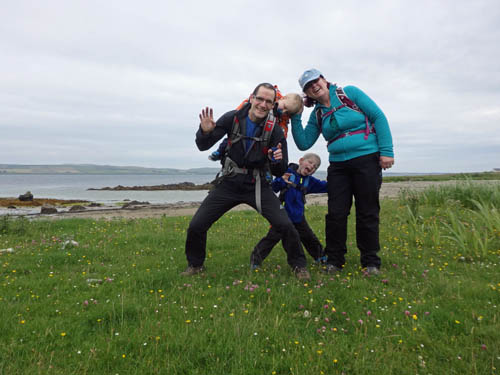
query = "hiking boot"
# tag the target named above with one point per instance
(190, 271)
(322, 260)
(372, 270)
(302, 273)
(254, 266)
(331, 269)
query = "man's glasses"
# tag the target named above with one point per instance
(260, 99)
(310, 83)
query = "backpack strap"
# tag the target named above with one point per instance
(346, 102)
(268, 130)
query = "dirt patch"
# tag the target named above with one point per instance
(38, 202)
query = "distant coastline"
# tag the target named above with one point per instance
(75, 169)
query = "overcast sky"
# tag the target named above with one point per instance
(122, 82)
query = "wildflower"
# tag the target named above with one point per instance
(385, 281)
(63, 334)
(360, 321)
(457, 321)
(414, 316)
(483, 347)
(188, 321)
(368, 313)
(335, 361)
(407, 313)
(85, 303)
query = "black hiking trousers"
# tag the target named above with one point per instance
(307, 237)
(228, 194)
(360, 178)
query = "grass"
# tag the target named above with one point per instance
(79, 296)
(446, 177)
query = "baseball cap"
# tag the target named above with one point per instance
(308, 76)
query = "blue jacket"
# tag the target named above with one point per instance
(293, 197)
(346, 120)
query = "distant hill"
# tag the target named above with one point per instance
(97, 169)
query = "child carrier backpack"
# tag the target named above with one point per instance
(346, 102)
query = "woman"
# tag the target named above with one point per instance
(359, 142)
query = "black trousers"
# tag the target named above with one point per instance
(307, 237)
(360, 178)
(227, 195)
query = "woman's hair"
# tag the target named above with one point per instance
(296, 103)
(310, 102)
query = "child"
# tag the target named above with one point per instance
(293, 187)
(285, 107)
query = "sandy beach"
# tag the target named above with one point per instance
(389, 190)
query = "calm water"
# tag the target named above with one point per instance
(75, 187)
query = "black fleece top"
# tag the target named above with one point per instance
(256, 157)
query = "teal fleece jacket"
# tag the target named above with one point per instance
(346, 120)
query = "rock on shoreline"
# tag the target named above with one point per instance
(179, 186)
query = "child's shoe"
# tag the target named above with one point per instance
(322, 260)
(214, 156)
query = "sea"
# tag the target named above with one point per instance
(76, 186)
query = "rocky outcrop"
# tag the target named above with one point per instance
(47, 210)
(77, 207)
(133, 204)
(26, 197)
(179, 186)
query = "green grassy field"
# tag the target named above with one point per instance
(80, 296)
(446, 177)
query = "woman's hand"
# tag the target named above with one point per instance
(386, 162)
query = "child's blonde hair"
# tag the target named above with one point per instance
(312, 155)
(296, 103)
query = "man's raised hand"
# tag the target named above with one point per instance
(207, 122)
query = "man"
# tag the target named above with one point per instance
(256, 147)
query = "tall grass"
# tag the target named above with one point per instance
(470, 219)
(79, 296)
